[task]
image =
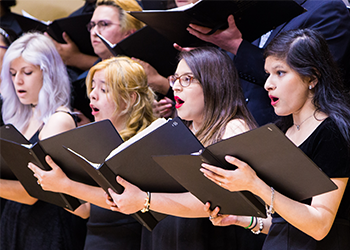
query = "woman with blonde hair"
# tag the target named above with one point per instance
(118, 91)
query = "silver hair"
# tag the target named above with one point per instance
(37, 49)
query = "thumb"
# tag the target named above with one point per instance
(51, 163)
(122, 182)
(66, 38)
(231, 20)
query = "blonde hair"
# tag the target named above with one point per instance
(124, 77)
(127, 22)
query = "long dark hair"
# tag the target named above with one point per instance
(223, 96)
(307, 52)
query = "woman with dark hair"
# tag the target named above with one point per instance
(305, 89)
(210, 101)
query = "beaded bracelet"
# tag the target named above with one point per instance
(261, 226)
(147, 203)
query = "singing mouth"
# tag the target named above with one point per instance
(179, 102)
(94, 109)
(274, 99)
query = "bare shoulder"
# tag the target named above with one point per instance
(59, 122)
(235, 127)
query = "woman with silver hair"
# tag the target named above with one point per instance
(36, 92)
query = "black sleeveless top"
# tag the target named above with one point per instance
(40, 226)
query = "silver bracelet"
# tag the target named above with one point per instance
(261, 226)
(271, 210)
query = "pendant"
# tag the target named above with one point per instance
(298, 127)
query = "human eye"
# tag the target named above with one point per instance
(280, 72)
(12, 73)
(186, 78)
(28, 73)
(102, 24)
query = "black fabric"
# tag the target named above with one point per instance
(328, 149)
(174, 233)
(330, 18)
(110, 230)
(40, 226)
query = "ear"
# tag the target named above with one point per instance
(133, 97)
(129, 32)
(312, 82)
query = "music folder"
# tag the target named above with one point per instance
(275, 159)
(95, 139)
(252, 17)
(147, 45)
(133, 161)
(74, 26)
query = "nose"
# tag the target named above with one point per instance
(17, 79)
(177, 86)
(93, 30)
(93, 94)
(269, 85)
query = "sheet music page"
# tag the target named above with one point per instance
(153, 126)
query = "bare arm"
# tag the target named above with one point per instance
(56, 180)
(315, 220)
(177, 204)
(13, 190)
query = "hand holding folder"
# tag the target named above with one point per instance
(132, 160)
(75, 27)
(18, 153)
(275, 159)
(253, 18)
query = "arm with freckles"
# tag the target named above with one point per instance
(56, 180)
(315, 220)
(13, 189)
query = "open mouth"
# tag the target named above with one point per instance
(21, 92)
(179, 102)
(94, 110)
(274, 99)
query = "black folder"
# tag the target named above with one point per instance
(253, 18)
(276, 160)
(74, 26)
(147, 45)
(135, 164)
(95, 139)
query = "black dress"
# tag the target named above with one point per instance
(108, 230)
(327, 148)
(174, 233)
(40, 226)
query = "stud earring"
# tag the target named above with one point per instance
(310, 87)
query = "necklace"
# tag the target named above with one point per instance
(194, 129)
(298, 125)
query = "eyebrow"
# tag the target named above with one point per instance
(187, 73)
